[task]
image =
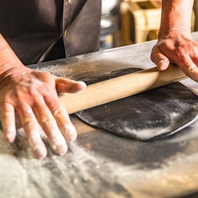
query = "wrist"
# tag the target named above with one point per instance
(8, 58)
(176, 17)
(174, 32)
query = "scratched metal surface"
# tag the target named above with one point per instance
(100, 164)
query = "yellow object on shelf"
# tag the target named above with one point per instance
(146, 15)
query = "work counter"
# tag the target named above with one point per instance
(100, 164)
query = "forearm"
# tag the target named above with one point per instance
(8, 58)
(175, 14)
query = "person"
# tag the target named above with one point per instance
(36, 31)
(37, 28)
(175, 44)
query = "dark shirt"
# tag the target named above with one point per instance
(33, 27)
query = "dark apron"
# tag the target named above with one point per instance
(33, 27)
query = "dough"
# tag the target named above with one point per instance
(156, 113)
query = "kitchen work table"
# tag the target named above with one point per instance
(100, 164)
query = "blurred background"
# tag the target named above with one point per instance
(127, 22)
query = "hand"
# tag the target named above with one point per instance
(179, 48)
(33, 96)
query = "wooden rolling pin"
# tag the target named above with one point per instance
(120, 87)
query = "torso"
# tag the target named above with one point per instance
(31, 27)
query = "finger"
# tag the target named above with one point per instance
(70, 86)
(64, 123)
(62, 118)
(8, 122)
(31, 128)
(188, 67)
(49, 125)
(161, 61)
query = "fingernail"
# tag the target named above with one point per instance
(70, 132)
(37, 145)
(58, 144)
(40, 152)
(161, 65)
(9, 135)
(82, 83)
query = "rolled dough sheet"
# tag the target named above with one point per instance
(156, 113)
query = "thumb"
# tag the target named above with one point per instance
(69, 86)
(161, 61)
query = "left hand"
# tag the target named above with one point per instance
(179, 48)
(33, 96)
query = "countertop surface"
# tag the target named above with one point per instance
(100, 164)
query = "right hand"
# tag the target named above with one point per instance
(177, 47)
